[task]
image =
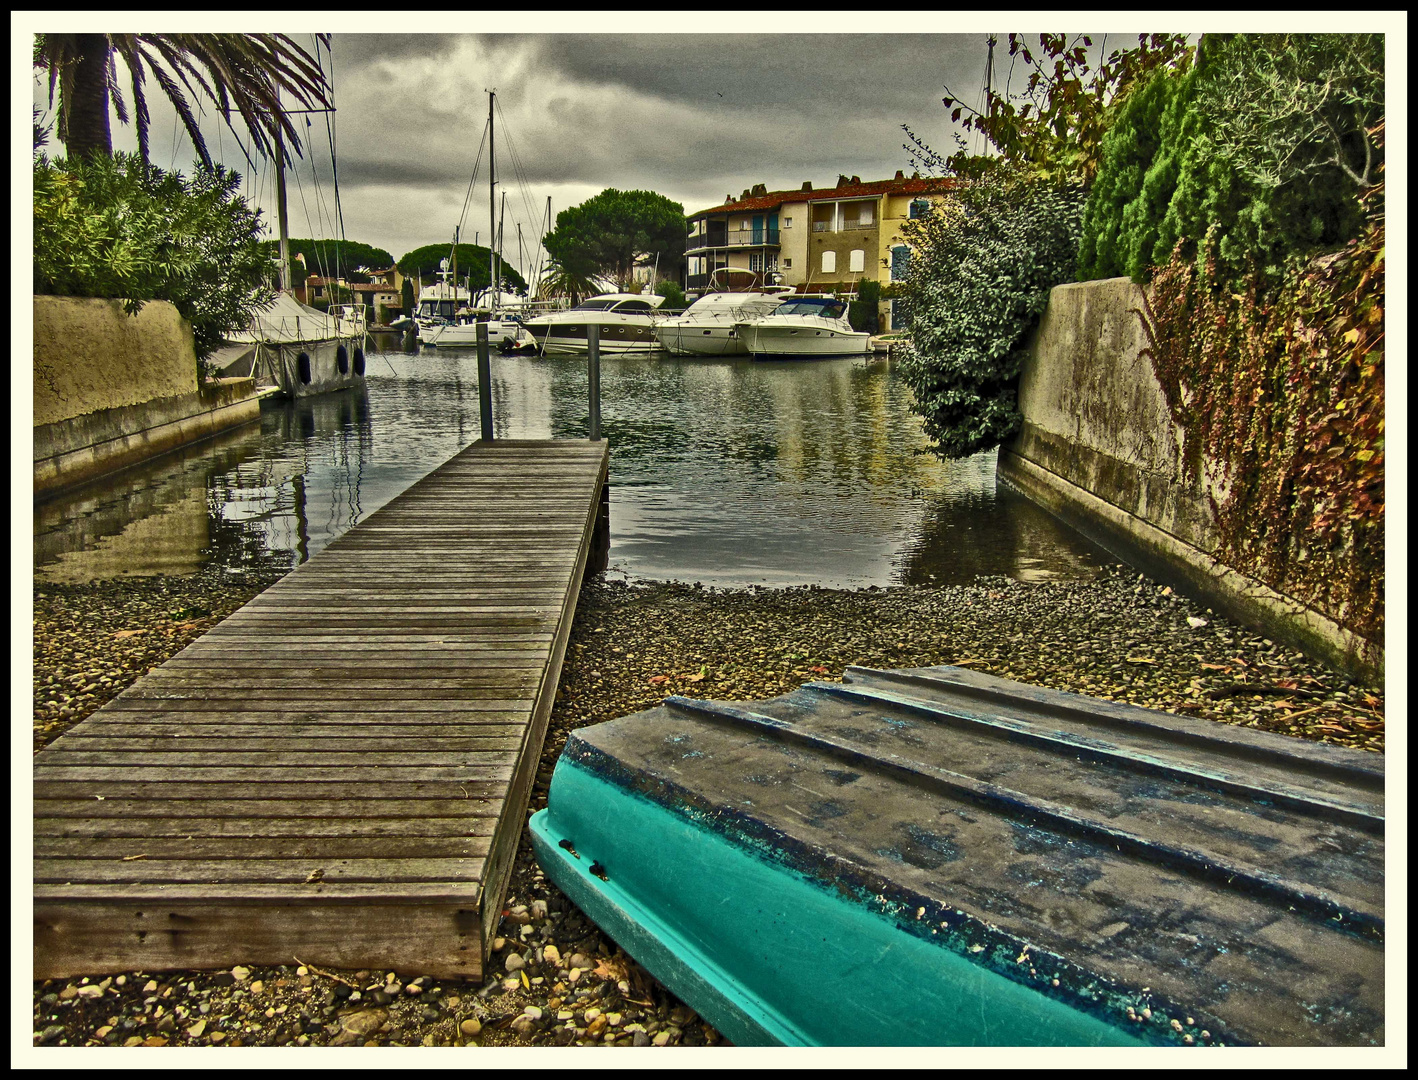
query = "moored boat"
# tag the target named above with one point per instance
(708, 327)
(626, 321)
(941, 857)
(299, 350)
(803, 328)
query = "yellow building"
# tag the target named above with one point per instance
(826, 240)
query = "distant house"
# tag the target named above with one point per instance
(383, 293)
(827, 240)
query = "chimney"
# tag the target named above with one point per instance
(807, 185)
(856, 179)
(759, 190)
(842, 180)
(745, 194)
(728, 199)
(900, 175)
(915, 176)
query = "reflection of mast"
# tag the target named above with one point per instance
(302, 526)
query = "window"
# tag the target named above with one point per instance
(787, 264)
(920, 208)
(900, 260)
(864, 215)
(755, 261)
(829, 262)
(787, 223)
(856, 261)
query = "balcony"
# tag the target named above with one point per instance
(733, 238)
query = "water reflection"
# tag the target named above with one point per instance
(724, 471)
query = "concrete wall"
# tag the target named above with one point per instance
(1099, 449)
(90, 356)
(112, 389)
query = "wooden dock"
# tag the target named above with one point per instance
(338, 772)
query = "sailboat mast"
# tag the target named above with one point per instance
(281, 209)
(492, 199)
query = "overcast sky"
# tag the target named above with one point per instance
(691, 116)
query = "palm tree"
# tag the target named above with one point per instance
(242, 72)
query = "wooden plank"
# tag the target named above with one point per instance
(378, 714)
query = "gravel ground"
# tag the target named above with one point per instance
(556, 978)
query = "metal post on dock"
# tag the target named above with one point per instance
(484, 383)
(593, 379)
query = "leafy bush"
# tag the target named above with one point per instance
(979, 278)
(864, 312)
(119, 228)
(1268, 139)
(673, 294)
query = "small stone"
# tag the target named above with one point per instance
(150, 986)
(90, 992)
(135, 1040)
(257, 986)
(539, 909)
(578, 960)
(681, 1015)
(240, 974)
(641, 1039)
(514, 962)
(552, 955)
(522, 1024)
(122, 980)
(471, 1026)
(216, 1036)
(661, 1039)
(498, 944)
(595, 1027)
(68, 993)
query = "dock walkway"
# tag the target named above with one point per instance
(340, 770)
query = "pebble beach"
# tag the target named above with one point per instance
(554, 978)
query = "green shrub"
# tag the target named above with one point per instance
(1268, 139)
(979, 278)
(673, 294)
(118, 228)
(864, 312)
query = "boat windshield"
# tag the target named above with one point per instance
(594, 305)
(831, 309)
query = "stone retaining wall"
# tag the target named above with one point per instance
(1099, 449)
(112, 389)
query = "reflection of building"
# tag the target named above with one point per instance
(826, 240)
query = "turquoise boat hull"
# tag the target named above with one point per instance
(770, 958)
(941, 858)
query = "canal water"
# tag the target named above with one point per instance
(728, 472)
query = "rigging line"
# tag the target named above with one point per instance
(330, 130)
(517, 167)
(477, 164)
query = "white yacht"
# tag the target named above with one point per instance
(626, 320)
(438, 305)
(708, 326)
(804, 327)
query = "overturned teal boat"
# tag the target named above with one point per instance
(938, 857)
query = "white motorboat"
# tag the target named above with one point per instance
(438, 305)
(464, 333)
(803, 328)
(708, 326)
(626, 320)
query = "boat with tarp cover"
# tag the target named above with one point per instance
(940, 857)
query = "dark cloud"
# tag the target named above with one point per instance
(881, 73)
